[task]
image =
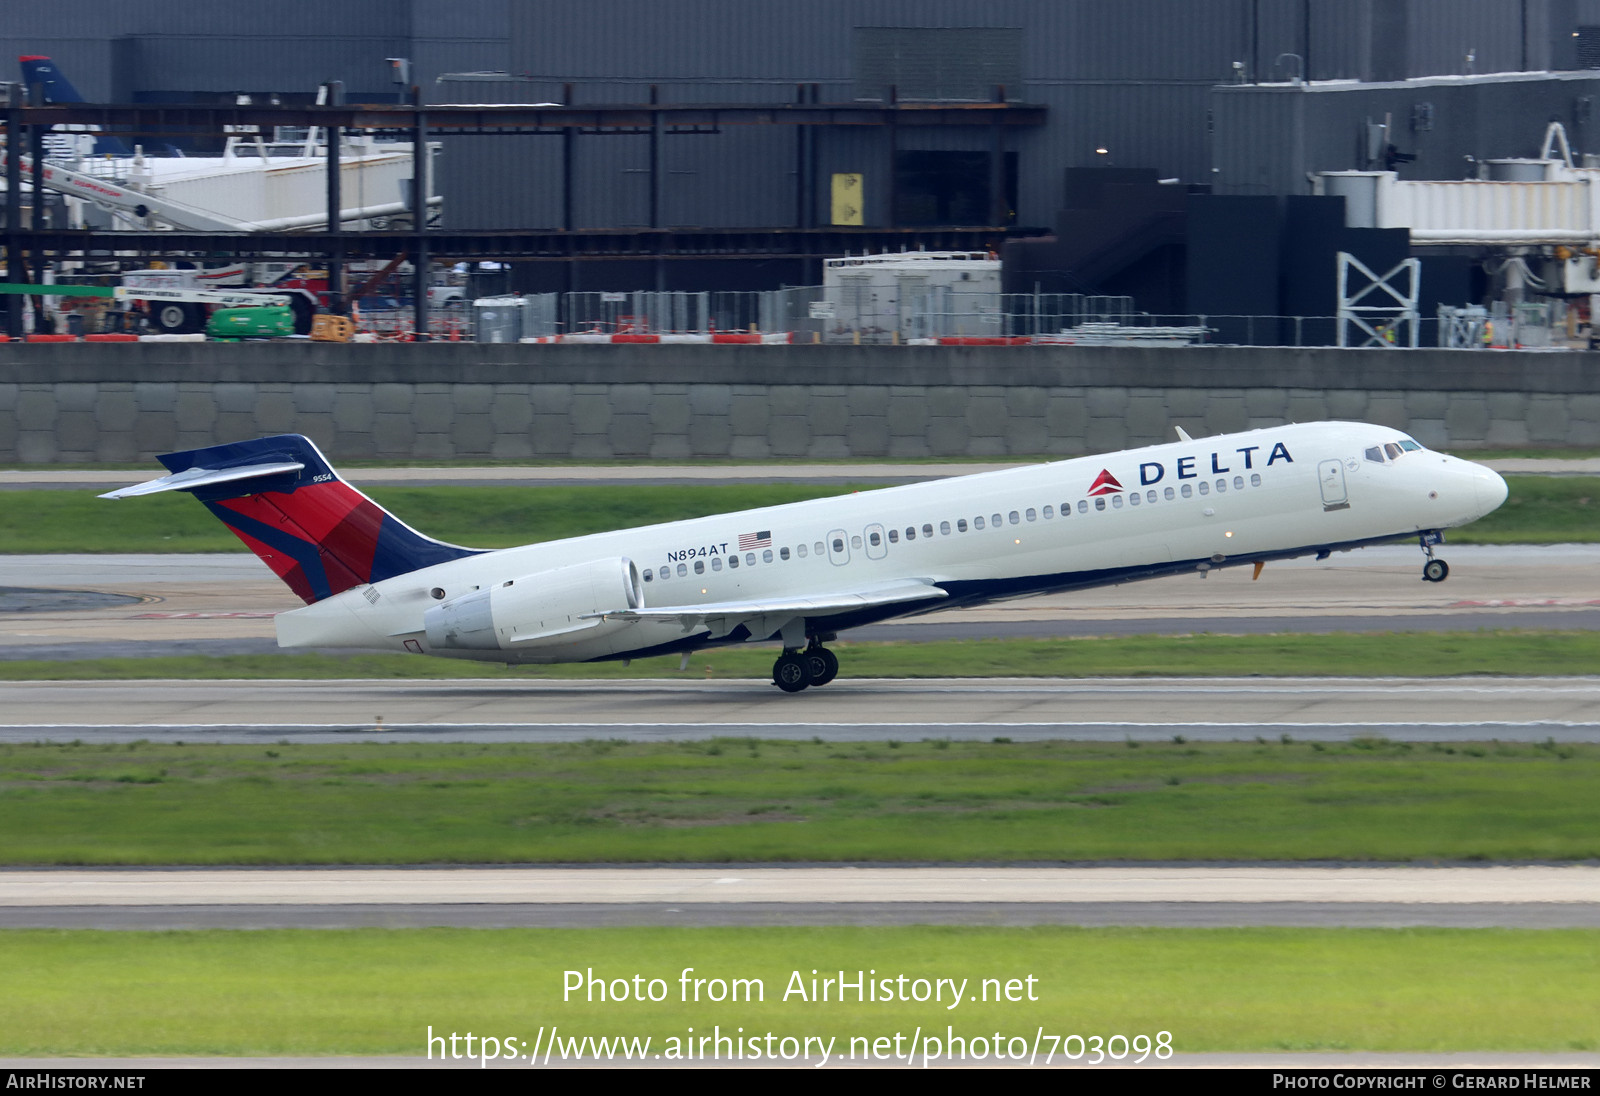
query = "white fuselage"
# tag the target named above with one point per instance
(1218, 501)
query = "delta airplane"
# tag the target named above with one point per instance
(800, 573)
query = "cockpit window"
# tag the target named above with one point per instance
(1409, 446)
(1392, 449)
(1375, 454)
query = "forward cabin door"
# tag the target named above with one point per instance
(1330, 474)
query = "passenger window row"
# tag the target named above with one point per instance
(978, 523)
(731, 561)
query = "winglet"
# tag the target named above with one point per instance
(1183, 435)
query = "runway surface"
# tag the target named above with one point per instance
(1100, 709)
(224, 603)
(1533, 896)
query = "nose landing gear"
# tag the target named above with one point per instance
(795, 670)
(1435, 570)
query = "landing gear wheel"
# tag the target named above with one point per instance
(1435, 570)
(790, 673)
(822, 665)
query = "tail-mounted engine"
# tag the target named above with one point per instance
(549, 608)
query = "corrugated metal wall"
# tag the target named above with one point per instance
(1135, 77)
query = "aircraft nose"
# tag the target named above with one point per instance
(1490, 487)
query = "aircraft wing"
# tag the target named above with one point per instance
(722, 617)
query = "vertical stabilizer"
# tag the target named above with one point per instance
(282, 499)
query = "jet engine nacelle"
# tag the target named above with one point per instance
(542, 609)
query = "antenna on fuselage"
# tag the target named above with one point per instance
(1183, 435)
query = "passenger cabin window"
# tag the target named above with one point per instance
(1150, 495)
(1116, 502)
(944, 528)
(783, 553)
(766, 556)
(911, 532)
(838, 545)
(1083, 506)
(699, 566)
(683, 570)
(1015, 517)
(961, 525)
(1255, 479)
(1222, 485)
(1100, 503)
(733, 561)
(820, 548)
(649, 576)
(800, 549)
(1049, 512)
(927, 530)
(894, 536)
(874, 539)
(977, 522)
(750, 559)
(1238, 483)
(855, 541)
(666, 573)
(1133, 499)
(995, 521)
(716, 563)
(1166, 493)
(1030, 514)
(1188, 490)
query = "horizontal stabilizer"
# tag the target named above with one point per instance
(191, 478)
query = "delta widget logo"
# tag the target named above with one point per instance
(1104, 484)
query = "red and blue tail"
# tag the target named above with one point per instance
(280, 496)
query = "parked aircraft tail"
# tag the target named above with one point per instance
(42, 70)
(282, 499)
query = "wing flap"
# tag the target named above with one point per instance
(807, 605)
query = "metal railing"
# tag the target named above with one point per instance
(813, 314)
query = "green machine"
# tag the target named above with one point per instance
(252, 322)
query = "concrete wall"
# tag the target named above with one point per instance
(126, 402)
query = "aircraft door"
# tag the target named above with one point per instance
(1330, 474)
(877, 544)
(839, 547)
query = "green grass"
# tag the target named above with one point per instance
(1542, 509)
(751, 800)
(324, 992)
(480, 517)
(1378, 654)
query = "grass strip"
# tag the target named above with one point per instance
(297, 992)
(1374, 654)
(481, 517)
(1541, 510)
(751, 800)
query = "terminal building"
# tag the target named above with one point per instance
(1175, 153)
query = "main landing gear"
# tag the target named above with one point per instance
(816, 665)
(1435, 570)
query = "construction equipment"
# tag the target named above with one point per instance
(274, 321)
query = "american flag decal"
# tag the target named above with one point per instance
(762, 539)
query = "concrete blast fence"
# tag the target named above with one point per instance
(75, 402)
